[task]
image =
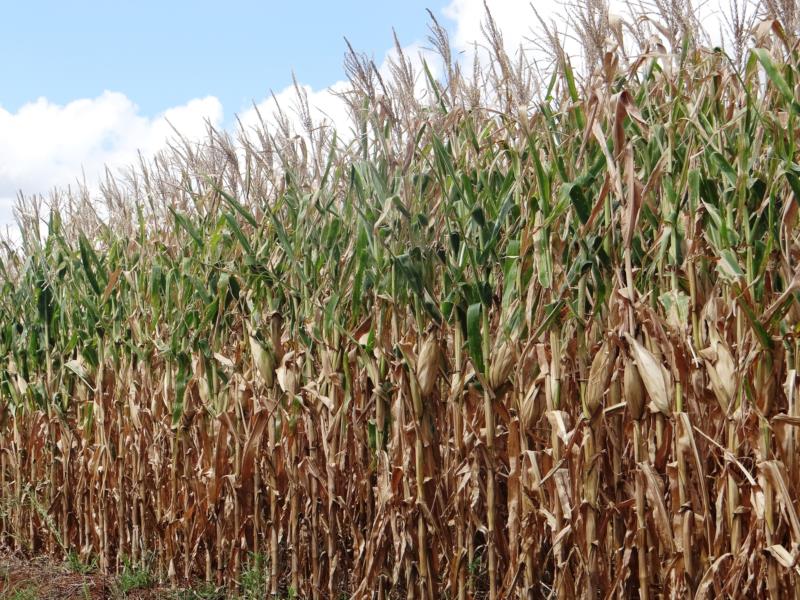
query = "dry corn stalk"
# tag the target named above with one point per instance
(286, 303)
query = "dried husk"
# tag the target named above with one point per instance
(599, 376)
(276, 335)
(531, 407)
(503, 361)
(287, 373)
(654, 376)
(633, 389)
(203, 389)
(428, 365)
(721, 369)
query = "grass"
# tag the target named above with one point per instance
(133, 577)
(28, 593)
(77, 565)
(253, 580)
(530, 334)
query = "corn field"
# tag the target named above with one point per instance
(526, 334)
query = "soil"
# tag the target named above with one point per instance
(43, 578)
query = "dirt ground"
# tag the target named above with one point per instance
(40, 578)
(45, 579)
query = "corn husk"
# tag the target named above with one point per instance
(633, 389)
(276, 335)
(721, 369)
(503, 361)
(599, 376)
(263, 359)
(531, 407)
(654, 376)
(287, 374)
(428, 365)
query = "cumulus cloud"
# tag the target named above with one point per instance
(326, 106)
(514, 18)
(520, 26)
(45, 145)
(517, 21)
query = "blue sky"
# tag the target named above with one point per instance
(161, 54)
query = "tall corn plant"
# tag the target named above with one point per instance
(492, 346)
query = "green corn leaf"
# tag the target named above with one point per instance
(239, 207)
(474, 338)
(775, 75)
(187, 226)
(86, 259)
(237, 231)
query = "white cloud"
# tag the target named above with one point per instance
(415, 53)
(514, 19)
(519, 24)
(6, 213)
(325, 107)
(45, 145)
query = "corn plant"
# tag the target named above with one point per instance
(522, 335)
